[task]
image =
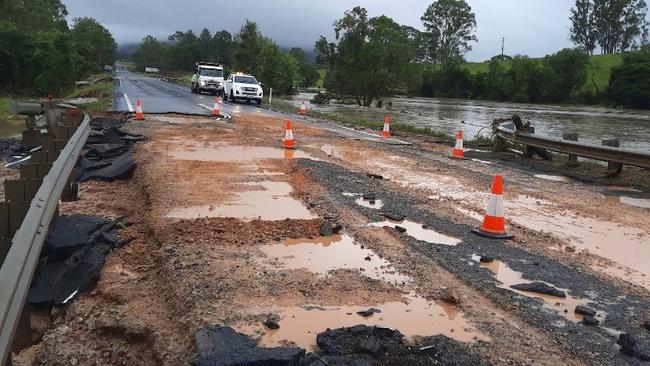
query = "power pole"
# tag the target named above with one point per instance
(503, 44)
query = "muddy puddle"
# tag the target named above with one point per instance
(553, 178)
(12, 128)
(630, 201)
(180, 119)
(509, 277)
(374, 204)
(236, 154)
(416, 316)
(262, 200)
(419, 232)
(324, 254)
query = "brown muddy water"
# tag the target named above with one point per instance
(413, 316)
(592, 123)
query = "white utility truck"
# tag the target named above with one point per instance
(208, 78)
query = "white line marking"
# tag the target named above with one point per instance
(128, 102)
(205, 106)
(120, 80)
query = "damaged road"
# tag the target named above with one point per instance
(341, 252)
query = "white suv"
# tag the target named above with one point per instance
(241, 86)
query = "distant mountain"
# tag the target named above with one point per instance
(125, 51)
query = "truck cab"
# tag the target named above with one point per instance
(243, 87)
(208, 78)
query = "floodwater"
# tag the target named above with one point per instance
(418, 232)
(592, 123)
(324, 254)
(262, 200)
(509, 277)
(416, 316)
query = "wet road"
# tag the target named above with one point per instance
(159, 96)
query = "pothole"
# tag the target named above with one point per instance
(228, 153)
(509, 277)
(262, 200)
(630, 201)
(418, 232)
(374, 204)
(324, 254)
(416, 316)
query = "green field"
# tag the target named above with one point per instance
(103, 91)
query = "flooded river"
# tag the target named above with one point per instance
(592, 123)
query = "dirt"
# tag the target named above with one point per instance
(225, 231)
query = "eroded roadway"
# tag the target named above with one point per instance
(159, 97)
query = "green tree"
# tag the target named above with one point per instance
(370, 59)
(298, 54)
(98, 43)
(248, 46)
(583, 25)
(620, 24)
(150, 53)
(449, 31)
(275, 69)
(205, 40)
(569, 68)
(629, 84)
(223, 48)
(34, 15)
(185, 50)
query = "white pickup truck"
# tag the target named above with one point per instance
(243, 87)
(208, 78)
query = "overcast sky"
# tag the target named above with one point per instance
(532, 27)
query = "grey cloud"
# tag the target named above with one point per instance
(533, 27)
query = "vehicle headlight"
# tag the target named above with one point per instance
(202, 83)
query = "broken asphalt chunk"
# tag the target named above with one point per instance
(539, 288)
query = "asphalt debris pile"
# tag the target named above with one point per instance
(108, 154)
(74, 253)
(359, 345)
(10, 148)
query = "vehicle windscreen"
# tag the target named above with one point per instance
(245, 80)
(214, 73)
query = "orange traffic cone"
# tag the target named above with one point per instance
(215, 111)
(303, 109)
(139, 116)
(494, 224)
(386, 132)
(289, 142)
(459, 152)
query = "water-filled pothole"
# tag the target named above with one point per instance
(324, 254)
(264, 200)
(630, 201)
(419, 232)
(509, 277)
(414, 317)
(228, 153)
(553, 178)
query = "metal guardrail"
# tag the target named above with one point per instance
(603, 153)
(21, 261)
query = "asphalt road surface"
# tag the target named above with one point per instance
(159, 96)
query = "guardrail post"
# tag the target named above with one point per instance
(573, 159)
(613, 167)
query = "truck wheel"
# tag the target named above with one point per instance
(259, 102)
(232, 97)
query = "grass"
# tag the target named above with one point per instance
(4, 108)
(103, 91)
(355, 121)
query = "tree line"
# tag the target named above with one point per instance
(375, 57)
(41, 54)
(247, 51)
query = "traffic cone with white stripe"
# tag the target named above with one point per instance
(139, 116)
(494, 223)
(386, 132)
(215, 111)
(289, 142)
(458, 152)
(303, 109)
